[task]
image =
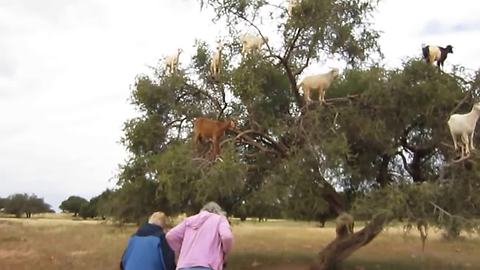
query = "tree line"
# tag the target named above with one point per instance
(24, 204)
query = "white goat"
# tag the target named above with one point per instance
(319, 82)
(171, 62)
(292, 4)
(251, 43)
(216, 64)
(463, 125)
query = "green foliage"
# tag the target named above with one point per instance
(18, 204)
(382, 137)
(2, 202)
(73, 204)
(452, 206)
(88, 210)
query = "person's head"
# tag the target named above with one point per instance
(213, 207)
(158, 218)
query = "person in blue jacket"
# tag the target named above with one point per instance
(148, 249)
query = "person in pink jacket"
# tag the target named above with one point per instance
(203, 240)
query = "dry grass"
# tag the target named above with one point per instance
(60, 243)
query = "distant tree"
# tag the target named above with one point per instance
(88, 210)
(103, 205)
(2, 202)
(36, 205)
(73, 204)
(17, 204)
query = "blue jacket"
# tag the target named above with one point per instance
(148, 249)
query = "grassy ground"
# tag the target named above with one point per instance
(62, 243)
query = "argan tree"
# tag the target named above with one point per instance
(287, 158)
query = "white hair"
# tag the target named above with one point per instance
(158, 218)
(213, 207)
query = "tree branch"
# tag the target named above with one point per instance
(342, 247)
(215, 102)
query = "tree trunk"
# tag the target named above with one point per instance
(342, 247)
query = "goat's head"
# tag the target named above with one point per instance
(476, 106)
(449, 49)
(335, 72)
(231, 123)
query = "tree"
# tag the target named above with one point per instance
(379, 127)
(73, 204)
(19, 204)
(16, 204)
(2, 202)
(88, 210)
(36, 205)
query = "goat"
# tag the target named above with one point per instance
(209, 129)
(171, 62)
(463, 125)
(422, 227)
(344, 225)
(216, 64)
(319, 82)
(292, 5)
(435, 53)
(251, 43)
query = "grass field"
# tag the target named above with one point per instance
(62, 243)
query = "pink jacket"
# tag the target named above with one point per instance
(202, 240)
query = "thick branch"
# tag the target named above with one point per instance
(293, 84)
(340, 248)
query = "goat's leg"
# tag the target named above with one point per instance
(471, 141)
(466, 143)
(321, 96)
(216, 147)
(306, 93)
(454, 140)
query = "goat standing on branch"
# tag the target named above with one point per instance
(251, 43)
(205, 129)
(435, 53)
(216, 65)
(463, 125)
(171, 62)
(319, 82)
(344, 225)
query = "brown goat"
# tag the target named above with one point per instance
(205, 129)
